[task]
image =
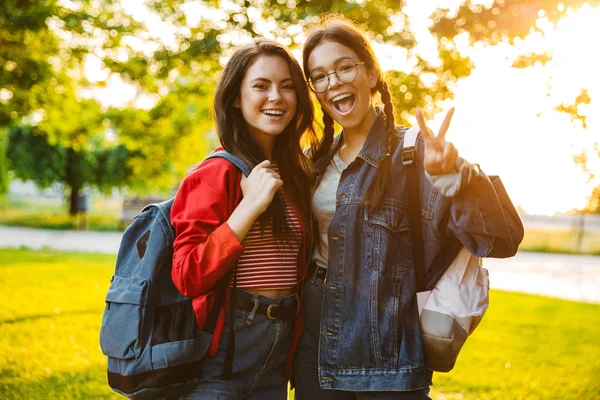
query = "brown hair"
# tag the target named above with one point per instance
(235, 137)
(334, 28)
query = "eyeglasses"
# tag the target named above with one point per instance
(346, 72)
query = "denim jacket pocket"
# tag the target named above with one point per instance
(389, 245)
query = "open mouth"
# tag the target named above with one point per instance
(343, 103)
(273, 113)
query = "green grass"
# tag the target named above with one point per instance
(527, 347)
(49, 323)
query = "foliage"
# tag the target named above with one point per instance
(198, 43)
(43, 48)
(33, 157)
(526, 347)
(573, 109)
(588, 155)
(40, 40)
(171, 54)
(411, 91)
(509, 20)
(502, 19)
(26, 48)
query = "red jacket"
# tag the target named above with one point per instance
(205, 248)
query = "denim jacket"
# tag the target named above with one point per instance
(370, 337)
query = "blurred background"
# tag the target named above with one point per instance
(104, 106)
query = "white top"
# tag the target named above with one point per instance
(323, 205)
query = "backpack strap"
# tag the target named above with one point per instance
(165, 206)
(410, 143)
(214, 313)
(211, 320)
(414, 200)
(235, 160)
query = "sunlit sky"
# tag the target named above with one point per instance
(505, 118)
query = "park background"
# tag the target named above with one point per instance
(102, 102)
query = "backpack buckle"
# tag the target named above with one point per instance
(408, 155)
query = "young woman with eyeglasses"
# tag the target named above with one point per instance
(361, 337)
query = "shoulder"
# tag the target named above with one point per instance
(218, 173)
(400, 132)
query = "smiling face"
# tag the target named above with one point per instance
(350, 104)
(267, 99)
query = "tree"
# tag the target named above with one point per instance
(590, 154)
(41, 40)
(511, 20)
(579, 119)
(34, 158)
(45, 45)
(38, 72)
(202, 36)
(504, 20)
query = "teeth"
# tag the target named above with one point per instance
(340, 97)
(273, 112)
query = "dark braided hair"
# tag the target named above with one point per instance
(328, 132)
(340, 30)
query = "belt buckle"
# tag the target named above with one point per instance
(271, 306)
(321, 274)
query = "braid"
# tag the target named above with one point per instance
(388, 109)
(327, 139)
(376, 189)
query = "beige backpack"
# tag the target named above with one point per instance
(454, 307)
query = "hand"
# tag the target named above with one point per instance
(260, 187)
(440, 156)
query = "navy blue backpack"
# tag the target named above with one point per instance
(149, 330)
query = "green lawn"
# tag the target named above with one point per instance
(527, 347)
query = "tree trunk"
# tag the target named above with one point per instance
(72, 181)
(580, 230)
(73, 196)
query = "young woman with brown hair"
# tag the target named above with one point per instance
(249, 232)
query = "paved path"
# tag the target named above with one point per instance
(555, 275)
(96, 242)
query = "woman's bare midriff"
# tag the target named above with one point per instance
(273, 293)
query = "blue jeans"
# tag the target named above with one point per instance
(306, 358)
(261, 349)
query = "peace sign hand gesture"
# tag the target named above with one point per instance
(440, 156)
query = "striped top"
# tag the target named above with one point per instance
(267, 263)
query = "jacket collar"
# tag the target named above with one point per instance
(373, 150)
(375, 147)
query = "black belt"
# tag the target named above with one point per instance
(273, 311)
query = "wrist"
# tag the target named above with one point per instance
(249, 208)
